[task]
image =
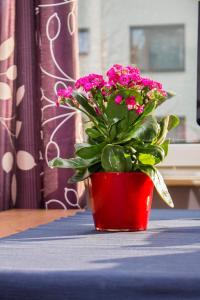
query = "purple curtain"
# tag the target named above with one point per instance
(38, 55)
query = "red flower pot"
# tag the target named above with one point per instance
(121, 201)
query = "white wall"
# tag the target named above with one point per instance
(89, 16)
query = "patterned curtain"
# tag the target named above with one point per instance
(38, 55)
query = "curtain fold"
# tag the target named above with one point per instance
(27, 107)
(38, 55)
(8, 74)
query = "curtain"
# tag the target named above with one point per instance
(38, 55)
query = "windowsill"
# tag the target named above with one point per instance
(182, 165)
(181, 176)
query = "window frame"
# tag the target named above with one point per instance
(187, 155)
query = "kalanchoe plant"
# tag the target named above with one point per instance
(124, 135)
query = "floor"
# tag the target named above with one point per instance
(17, 220)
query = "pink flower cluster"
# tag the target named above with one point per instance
(151, 84)
(90, 82)
(117, 75)
(65, 93)
(130, 103)
(119, 78)
(129, 77)
(125, 76)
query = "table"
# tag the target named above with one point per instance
(16, 220)
(67, 259)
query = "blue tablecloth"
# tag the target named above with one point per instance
(67, 259)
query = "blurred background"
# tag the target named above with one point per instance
(160, 37)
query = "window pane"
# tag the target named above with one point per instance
(161, 46)
(166, 49)
(83, 37)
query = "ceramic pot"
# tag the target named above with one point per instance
(121, 201)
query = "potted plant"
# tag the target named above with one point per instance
(124, 144)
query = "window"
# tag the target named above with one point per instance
(83, 37)
(158, 48)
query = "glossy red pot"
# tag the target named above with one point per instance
(121, 201)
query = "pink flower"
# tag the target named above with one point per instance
(107, 85)
(133, 70)
(130, 102)
(157, 85)
(118, 99)
(106, 90)
(125, 76)
(88, 86)
(146, 82)
(163, 93)
(135, 77)
(57, 103)
(65, 93)
(124, 79)
(104, 93)
(140, 109)
(118, 67)
(155, 93)
(113, 76)
(90, 82)
(151, 84)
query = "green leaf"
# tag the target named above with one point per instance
(72, 163)
(90, 151)
(159, 183)
(113, 129)
(102, 128)
(82, 174)
(139, 99)
(163, 130)
(146, 131)
(165, 146)
(154, 153)
(112, 132)
(113, 159)
(129, 163)
(93, 133)
(149, 108)
(79, 175)
(170, 94)
(96, 141)
(146, 159)
(123, 125)
(95, 168)
(173, 122)
(115, 111)
(80, 146)
(83, 101)
(99, 99)
(166, 124)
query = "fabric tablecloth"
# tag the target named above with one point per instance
(68, 259)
